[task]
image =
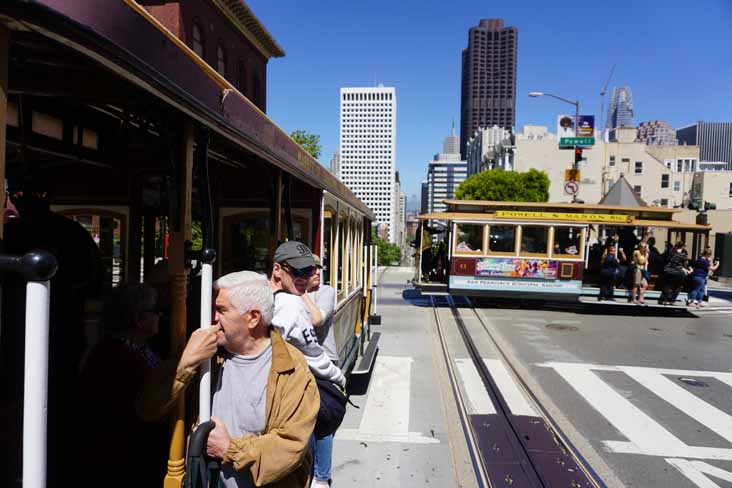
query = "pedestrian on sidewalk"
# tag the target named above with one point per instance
(674, 274)
(703, 267)
(320, 301)
(639, 274)
(609, 270)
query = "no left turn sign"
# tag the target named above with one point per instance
(571, 187)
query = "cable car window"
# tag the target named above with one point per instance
(534, 239)
(502, 238)
(327, 248)
(567, 242)
(469, 238)
(341, 246)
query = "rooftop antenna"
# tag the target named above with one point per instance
(603, 120)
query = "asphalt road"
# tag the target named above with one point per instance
(646, 399)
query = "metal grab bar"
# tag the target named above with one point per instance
(208, 256)
(37, 267)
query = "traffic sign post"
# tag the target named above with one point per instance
(571, 188)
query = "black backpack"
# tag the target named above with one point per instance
(332, 408)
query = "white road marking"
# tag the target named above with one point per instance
(517, 402)
(479, 402)
(696, 472)
(708, 415)
(386, 413)
(646, 436)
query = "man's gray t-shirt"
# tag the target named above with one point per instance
(240, 401)
(325, 298)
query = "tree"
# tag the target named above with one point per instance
(505, 186)
(388, 252)
(309, 142)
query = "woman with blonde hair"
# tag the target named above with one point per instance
(640, 274)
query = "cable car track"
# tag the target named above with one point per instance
(509, 450)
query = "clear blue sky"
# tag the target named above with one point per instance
(676, 55)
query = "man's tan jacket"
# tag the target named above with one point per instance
(278, 458)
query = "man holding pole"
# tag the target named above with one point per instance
(265, 401)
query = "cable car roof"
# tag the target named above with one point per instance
(663, 224)
(486, 205)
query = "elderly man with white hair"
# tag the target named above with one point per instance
(265, 401)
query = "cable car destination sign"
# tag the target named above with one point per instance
(573, 217)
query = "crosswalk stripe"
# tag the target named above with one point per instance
(386, 413)
(515, 399)
(477, 397)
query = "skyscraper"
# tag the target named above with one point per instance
(488, 90)
(445, 173)
(713, 138)
(620, 112)
(657, 133)
(368, 149)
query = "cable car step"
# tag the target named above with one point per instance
(369, 357)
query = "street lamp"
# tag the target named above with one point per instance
(536, 94)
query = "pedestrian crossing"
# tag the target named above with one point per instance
(641, 434)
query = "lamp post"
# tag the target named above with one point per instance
(537, 94)
(575, 103)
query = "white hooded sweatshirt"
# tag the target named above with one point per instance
(292, 321)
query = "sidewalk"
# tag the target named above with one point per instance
(399, 436)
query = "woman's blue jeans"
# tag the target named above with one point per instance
(697, 288)
(322, 456)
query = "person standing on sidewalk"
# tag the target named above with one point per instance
(702, 268)
(320, 301)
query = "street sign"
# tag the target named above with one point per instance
(571, 175)
(576, 141)
(571, 187)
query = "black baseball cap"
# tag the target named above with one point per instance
(295, 254)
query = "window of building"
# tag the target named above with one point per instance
(677, 185)
(197, 39)
(241, 77)
(679, 165)
(221, 59)
(730, 189)
(664, 202)
(637, 189)
(612, 161)
(638, 167)
(534, 239)
(468, 238)
(502, 239)
(625, 160)
(665, 181)
(567, 242)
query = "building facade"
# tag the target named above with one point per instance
(620, 111)
(368, 150)
(444, 174)
(713, 138)
(335, 165)
(660, 175)
(489, 148)
(227, 36)
(488, 85)
(657, 133)
(713, 186)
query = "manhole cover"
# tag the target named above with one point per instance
(570, 328)
(693, 382)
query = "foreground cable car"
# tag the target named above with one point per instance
(536, 250)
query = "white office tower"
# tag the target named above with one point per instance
(444, 174)
(368, 150)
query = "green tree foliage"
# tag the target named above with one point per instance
(388, 253)
(309, 142)
(505, 186)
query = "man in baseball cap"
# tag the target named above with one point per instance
(293, 266)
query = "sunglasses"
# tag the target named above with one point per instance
(300, 273)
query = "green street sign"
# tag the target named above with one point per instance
(576, 141)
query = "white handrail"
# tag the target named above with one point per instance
(204, 392)
(35, 396)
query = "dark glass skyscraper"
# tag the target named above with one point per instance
(488, 92)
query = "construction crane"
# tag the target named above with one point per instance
(603, 121)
